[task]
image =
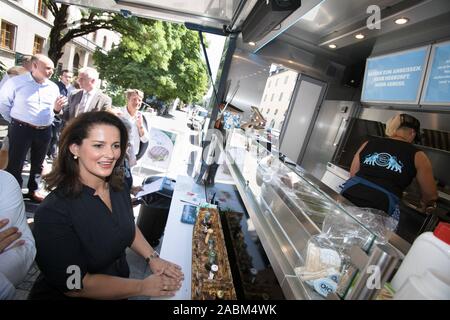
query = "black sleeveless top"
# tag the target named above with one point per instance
(389, 163)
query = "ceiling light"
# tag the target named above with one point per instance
(332, 46)
(360, 36)
(401, 20)
(252, 43)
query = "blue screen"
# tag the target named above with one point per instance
(395, 77)
(438, 88)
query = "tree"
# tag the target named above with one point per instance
(162, 59)
(63, 30)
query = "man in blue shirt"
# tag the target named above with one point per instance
(29, 102)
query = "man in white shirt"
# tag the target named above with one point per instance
(17, 247)
(88, 98)
(29, 102)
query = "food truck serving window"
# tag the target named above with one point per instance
(437, 85)
(395, 78)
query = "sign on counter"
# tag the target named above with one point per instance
(437, 85)
(396, 77)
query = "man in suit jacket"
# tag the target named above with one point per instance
(88, 98)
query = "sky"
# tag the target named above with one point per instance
(214, 51)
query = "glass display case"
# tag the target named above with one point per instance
(288, 207)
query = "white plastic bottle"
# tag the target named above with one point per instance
(428, 286)
(430, 251)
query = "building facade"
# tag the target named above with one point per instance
(25, 28)
(277, 96)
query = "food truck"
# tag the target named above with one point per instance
(324, 77)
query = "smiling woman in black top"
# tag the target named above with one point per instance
(84, 226)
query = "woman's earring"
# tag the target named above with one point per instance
(75, 157)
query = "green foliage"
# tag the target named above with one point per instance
(2, 69)
(116, 93)
(159, 58)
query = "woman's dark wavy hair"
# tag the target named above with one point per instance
(65, 173)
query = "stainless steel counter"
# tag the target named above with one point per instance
(286, 217)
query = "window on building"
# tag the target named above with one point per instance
(8, 35)
(271, 98)
(265, 97)
(59, 68)
(94, 36)
(276, 111)
(268, 110)
(276, 82)
(281, 96)
(286, 79)
(105, 39)
(38, 44)
(42, 9)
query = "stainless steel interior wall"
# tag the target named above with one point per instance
(428, 120)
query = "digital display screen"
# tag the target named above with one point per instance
(395, 78)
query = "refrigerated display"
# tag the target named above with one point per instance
(289, 207)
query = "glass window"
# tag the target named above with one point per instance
(271, 98)
(105, 40)
(265, 97)
(42, 9)
(268, 110)
(7, 36)
(281, 96)
(38, 44)
(276, 111)
(286, 79)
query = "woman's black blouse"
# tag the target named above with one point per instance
(81, 232)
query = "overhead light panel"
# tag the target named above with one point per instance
(401, 20)
(332, 46)
(252, 43)
(360, 36)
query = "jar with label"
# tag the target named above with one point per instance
(211, 257)
(213, 271)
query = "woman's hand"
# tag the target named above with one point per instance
(169, 269)
(8, 236)
(158, 285)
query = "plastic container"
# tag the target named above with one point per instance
(429, 286)
(431, 250)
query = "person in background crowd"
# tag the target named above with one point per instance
(139, 130)
(383, 168)
(65, 88)
(88, 98)
(75, 83)
(29, 102)
(11, 72)
(89, 195)
(17, 70)
(64, 83)
(17, 247)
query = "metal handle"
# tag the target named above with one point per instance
(339, 132)
(378, 269)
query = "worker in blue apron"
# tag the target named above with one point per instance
(383, 168)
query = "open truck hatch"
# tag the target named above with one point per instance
(212, 13)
